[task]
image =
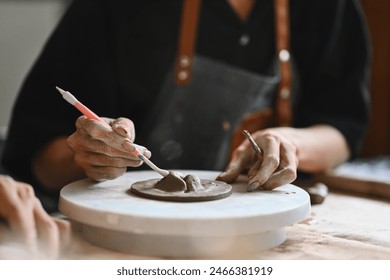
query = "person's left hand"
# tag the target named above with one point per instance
(25, 221)
(276, 165)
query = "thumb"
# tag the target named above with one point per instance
(239, 161)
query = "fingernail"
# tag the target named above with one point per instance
(119, 127)
(128, 146)
(252, 186)
(147, 153)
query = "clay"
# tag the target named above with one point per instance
(175, 187)
(173, 182)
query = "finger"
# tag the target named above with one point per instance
(16, 209)
(124, 127)
(48, 231)
(103, 133)
(65, 230)
(270, 147)
(21, 218)
(284, 176)
(101, 160)
(254, 169)
(22, 225)
(81, 139)
(287, 172)
(84, 123)
(120, 137)
(8, 194)
(143, 150)
(81, 143)
(102, 173)
(240, 160)
(6, 234)
(96, 147)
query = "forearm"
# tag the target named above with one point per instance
(54, 165)
(319, 147)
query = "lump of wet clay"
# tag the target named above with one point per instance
(174, 183)
(175, 187)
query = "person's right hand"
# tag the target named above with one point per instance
(105, 151)
(23, 221)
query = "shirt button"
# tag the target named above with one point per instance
(244, 39)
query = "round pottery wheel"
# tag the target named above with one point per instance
(213, 190)
(238, 226)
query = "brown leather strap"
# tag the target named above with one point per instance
(187, 39)
(283, 106)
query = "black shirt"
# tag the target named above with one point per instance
(114, 55)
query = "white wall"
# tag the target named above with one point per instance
(24, 27)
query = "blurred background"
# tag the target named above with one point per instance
(378, 17)
(24, 27)
(26, 24)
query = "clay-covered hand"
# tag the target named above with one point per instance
(25, 223)
(276, 165)
(105, 151)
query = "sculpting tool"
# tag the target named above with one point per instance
(255, 147)
(91, 115)
(252, 141)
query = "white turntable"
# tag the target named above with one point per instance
(241, 224)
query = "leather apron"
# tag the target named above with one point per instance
(200, 112)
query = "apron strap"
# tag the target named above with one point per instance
(188, 32)
(283, 106)
(187, 39)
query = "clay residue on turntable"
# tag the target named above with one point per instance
(173, 182)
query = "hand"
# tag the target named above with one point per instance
(27, 223)
(276, 165)
(105, 152)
